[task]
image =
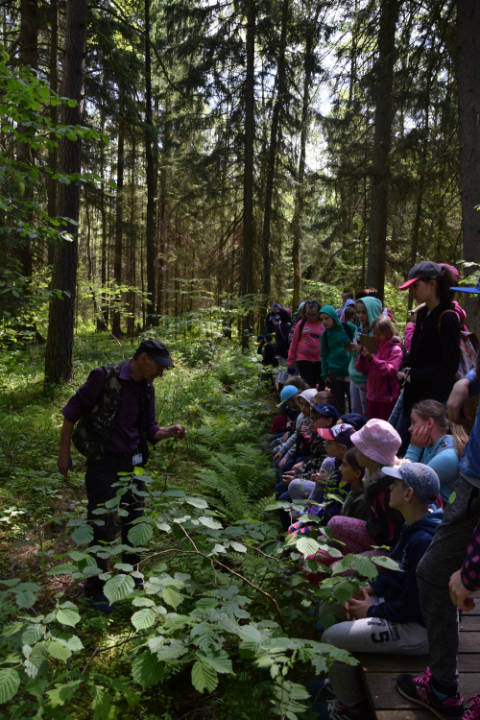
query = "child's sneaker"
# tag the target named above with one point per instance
(339, 711)
(473, 712)
(419, 690)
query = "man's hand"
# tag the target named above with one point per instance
(64, 462)
(459, 595)
(176, 431)
(357, 607)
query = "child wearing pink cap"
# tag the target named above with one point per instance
(376, 445)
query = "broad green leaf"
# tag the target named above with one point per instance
(68, 616)
(172, 597)
(143, 602)
(172, 651)
(209, 522)
(119, 587)
(197, 502)
(204, 677)
(82, 535)
(239, 547)
(63, 693)
(165, 527)
(74, 643)
(58, 651)
(343, 591)
(218, 549)
(146, 670)
(26, 594)
(32, 634)
(250, 633)
(307, 545)
(220, 662)
(9, 684)
(140, 534)
(386, 562)
(143, 619)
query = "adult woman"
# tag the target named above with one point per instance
(305, 346)
(435, 352)
(432, 444)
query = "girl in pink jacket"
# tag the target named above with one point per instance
(383, 387)
(304, 349)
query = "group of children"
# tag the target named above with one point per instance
(343, 470)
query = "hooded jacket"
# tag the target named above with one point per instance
(334, 356)
(399, 589)
(382, 383)
(373, 306)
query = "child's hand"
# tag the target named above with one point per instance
(355, 346)
(357, 607)
(282, 463)
(297, 466)
(459, 595)
(364, 353)
(320, 477)
(285, 437)
(421, 435)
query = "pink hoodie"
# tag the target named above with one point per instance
(382, 383)
(307, 345)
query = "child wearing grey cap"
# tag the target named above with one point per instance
(385, 616)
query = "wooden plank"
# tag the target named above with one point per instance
(469, 642)
(470, 623)
(468, 662)
(403, 715)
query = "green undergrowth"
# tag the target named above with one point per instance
(224, 625)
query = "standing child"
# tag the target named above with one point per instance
(448, 570)
(368, 308)
(383, 387)
(304, 349)
(335, 358)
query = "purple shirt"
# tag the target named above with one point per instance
(125, 436)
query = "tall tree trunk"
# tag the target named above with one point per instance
(58, 354)
(297, 221)
(382, 141)
(28, 47)
(248, 220)
(150, 172)
(131, 241)
(52, 152)
(272, 151)
(102, 317)
(468, 62)
(118, 252)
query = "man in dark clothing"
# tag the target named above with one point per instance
(111, 419)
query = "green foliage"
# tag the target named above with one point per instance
(214, 611)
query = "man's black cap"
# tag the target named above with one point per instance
(157, 351)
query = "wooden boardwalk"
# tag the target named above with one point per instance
(381, 671)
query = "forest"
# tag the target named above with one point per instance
(168, 169)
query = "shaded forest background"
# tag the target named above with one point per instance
(223, 154)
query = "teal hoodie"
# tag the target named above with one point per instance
(334, 356)
(373, 306)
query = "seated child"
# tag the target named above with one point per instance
(375, 446)
(289, 410)
(322, 415)
(321, 485)
(294, 448)
(385, 616)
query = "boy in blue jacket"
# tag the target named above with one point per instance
(385, 616)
